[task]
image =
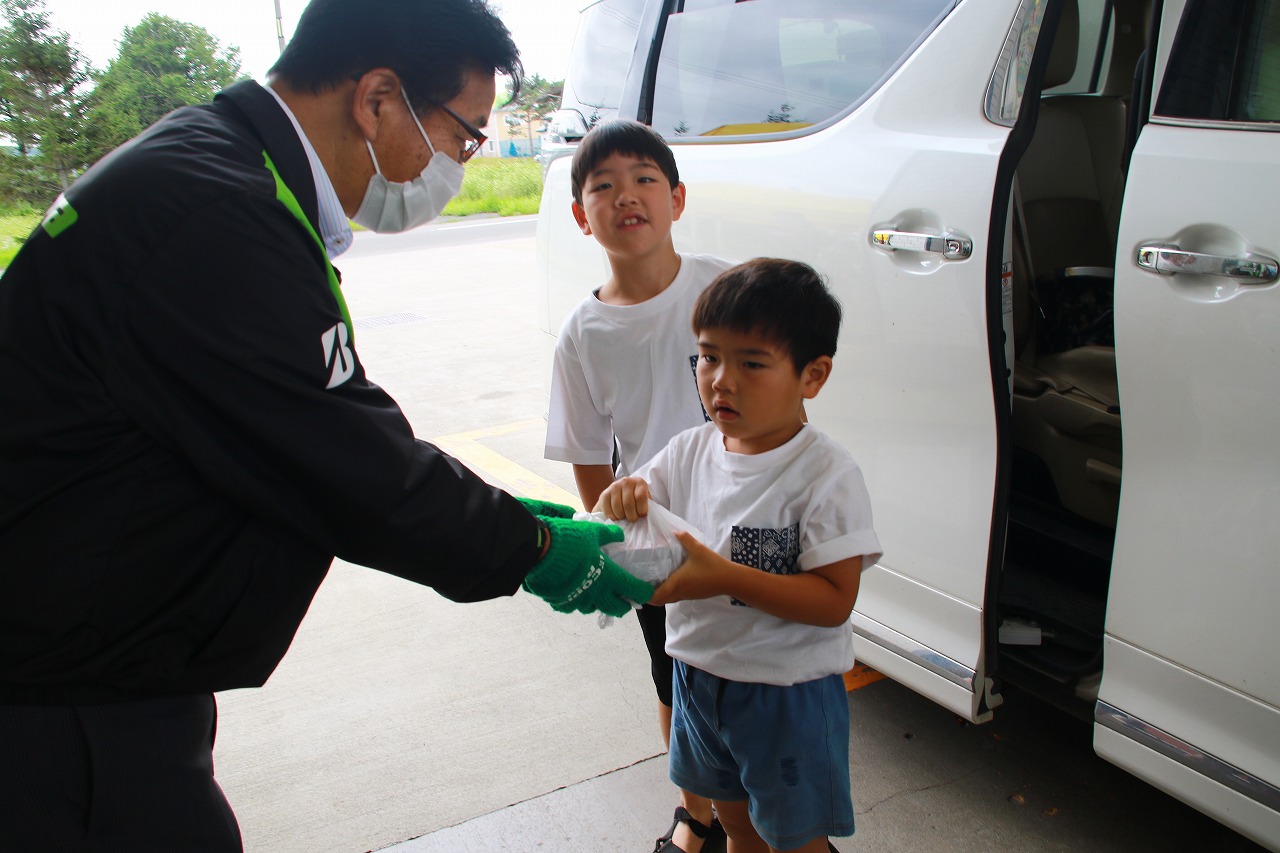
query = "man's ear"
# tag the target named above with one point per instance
(374, 90)
(580, 217)
(814, 376)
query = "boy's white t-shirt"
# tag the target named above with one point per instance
(628, 370)
(790, 509)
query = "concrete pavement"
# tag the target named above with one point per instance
(402, 721)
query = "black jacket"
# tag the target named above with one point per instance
(176, 474)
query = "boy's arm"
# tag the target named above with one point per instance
(592, 480)
(823, 596)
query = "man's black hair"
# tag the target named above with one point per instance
(620, 136)
(430, 44)
(785, 302)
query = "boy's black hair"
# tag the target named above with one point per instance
(785, 302)
(620, 136)
(431, 44)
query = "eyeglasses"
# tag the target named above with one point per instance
(477, 138)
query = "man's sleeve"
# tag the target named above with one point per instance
(233, 354)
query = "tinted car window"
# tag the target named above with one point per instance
(730, 68)
(1009, 81)
(601, 55)
(1225, 63)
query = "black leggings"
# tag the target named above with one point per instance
(653, 622)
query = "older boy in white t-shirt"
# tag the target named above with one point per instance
(758, 616)
(622, 379)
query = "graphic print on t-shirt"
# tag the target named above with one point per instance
(772, 551)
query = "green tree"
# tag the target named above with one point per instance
(538, 98)
(163, 64)
(41, 105)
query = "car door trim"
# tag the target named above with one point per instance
(905, 647)
(1172, 747)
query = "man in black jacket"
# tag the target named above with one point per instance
(189, 438)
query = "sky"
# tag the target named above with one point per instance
(543, 29)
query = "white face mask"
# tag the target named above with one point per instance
(389, 208)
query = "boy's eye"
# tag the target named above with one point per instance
(645, 179)
(599, 187)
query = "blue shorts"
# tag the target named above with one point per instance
(783, 749)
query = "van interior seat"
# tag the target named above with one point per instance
(1068, 193)
(1071, 182)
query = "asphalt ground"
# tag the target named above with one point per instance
(401, 721)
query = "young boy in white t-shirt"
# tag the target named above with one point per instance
(622, 378)
(758, 616)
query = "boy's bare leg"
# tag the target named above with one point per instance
(743, 837)
(817, 845)
(698, 807)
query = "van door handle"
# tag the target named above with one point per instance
(1171, 260)
(951, 246)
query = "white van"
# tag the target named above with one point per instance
(1053, 225)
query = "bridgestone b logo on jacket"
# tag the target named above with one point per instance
(338, 355)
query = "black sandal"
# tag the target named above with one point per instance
(707, 833)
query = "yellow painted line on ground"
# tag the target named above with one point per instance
(860, 676)
(498, 470)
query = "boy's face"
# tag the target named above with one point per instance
(751, 390)
(628, 206)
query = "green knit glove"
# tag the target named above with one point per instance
(576, 575)
(546, 509)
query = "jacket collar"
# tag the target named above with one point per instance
(279, 139)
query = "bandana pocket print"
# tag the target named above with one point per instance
(773, 551)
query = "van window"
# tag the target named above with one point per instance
(1009, 81)
(764, 66)
(1225, 63)
(1095, 44)
(601, 56)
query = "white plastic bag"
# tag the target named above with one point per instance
(650, 550)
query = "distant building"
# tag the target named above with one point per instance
(506, 141)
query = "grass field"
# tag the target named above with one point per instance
(509, 186)
(15, 225)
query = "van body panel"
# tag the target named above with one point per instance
(938, 621)
(1193, 738)
(1229, 807)
(1191, 627)
(1199, 711)
(1197, 360)
(947, 683)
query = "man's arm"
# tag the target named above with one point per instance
(246, 370)
(592, 480)
(823, 596)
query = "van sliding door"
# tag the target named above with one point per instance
(1190, 696)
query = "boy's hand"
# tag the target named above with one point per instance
(546, 509)
(626, 498)
(576, 575)
(703, 574)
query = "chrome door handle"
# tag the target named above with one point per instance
(950, 246)
(1171, 260)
